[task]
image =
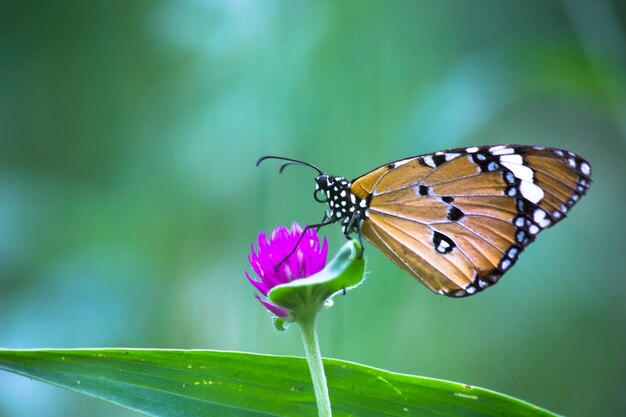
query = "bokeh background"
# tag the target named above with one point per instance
(129, 195)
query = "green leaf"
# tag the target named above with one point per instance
(212, 383)
(343, 272)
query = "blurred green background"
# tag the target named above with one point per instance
(129, 195)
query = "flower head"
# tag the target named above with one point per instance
(270, 265)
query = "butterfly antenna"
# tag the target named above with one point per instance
(289, 162)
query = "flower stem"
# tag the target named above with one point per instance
(314, 358)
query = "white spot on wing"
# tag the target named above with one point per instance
(531, 192)
(540, 218)
(520, 171)
(513, 159)
(585, 168)
(400, 163)
(533, 229)
(428, 160)
(451, 156)
(503, 151)
(443, 245)
(506, 264)
(473, 149)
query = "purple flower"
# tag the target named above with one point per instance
(309, 258)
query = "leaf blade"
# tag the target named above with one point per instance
(217, 383)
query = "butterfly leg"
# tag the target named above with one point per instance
(325, 222)
(355, 221)
(360, 235)
(322, 223)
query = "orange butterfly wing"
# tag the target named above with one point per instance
(457, 220)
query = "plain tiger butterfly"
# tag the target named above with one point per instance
(455, 220)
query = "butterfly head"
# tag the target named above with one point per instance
(322, 188)
(332, 189)
(344, 206)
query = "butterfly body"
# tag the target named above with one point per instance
(457, 220)
(344, 205)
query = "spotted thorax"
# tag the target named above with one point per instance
(344, 206)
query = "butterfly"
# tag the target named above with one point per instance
(455, 220)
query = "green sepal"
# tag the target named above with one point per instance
(308, 295)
